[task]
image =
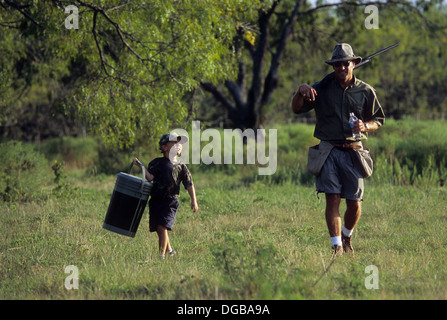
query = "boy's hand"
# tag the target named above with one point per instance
(194, 206)
(136, 162)
(192, 194)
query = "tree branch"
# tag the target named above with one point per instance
(104, 63)
(122, 35)
(20, 9)
(219, 97)
(235, 91)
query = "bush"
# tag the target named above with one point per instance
(73, 152)
(410, 152)
(23, 172)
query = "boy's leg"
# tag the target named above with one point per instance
(163, 239)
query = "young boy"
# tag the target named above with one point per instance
(166, 173)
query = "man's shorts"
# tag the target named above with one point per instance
(341, 174)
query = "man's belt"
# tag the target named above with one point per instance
(350, 145)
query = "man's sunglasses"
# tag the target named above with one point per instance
(341, 63)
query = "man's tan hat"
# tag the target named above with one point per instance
(343, 52)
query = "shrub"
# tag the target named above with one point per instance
(23, 172)
(73, 152)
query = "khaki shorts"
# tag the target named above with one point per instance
(341, 174)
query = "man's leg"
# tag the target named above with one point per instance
(352, 216)
(333, 221)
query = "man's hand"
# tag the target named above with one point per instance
(304, 92)
(307, 92)
(368, 126)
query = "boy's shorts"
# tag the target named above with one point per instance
(341, 174)
(162, 212)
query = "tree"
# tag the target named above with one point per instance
(294, 36)
(244, 111)
(125, 71)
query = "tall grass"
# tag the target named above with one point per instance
(250, 241)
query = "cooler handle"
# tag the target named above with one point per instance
(143, 171)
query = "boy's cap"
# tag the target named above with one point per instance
(172, 137)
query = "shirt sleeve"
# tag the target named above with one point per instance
(152, 167)
(309, 105)
(186, 177)
(376, 112)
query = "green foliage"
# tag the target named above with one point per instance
(410, 152)
(63, 188)
(23, 172)
(409, 79)
(125, 71)
(128, 72)
(73, 152)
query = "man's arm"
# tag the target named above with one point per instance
(368, 126)
(304, 93)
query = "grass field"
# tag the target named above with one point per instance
(246, 242)
(251, 239)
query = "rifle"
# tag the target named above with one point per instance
(364, 61)
(368, 58)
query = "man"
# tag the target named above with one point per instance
(341, 175)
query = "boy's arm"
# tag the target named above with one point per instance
(149, 176)
(192, 194)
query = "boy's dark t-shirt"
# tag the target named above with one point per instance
(167, 178)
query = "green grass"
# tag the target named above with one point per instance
(254, 237)
(248, 241)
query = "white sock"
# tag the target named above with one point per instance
(336, 241)
(346, 231)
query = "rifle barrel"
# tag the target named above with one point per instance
(368, 58)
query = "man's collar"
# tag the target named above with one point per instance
(354, 82)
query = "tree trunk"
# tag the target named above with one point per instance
(245, 113)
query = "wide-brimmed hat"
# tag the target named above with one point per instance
(172, 136)
(343, 52)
